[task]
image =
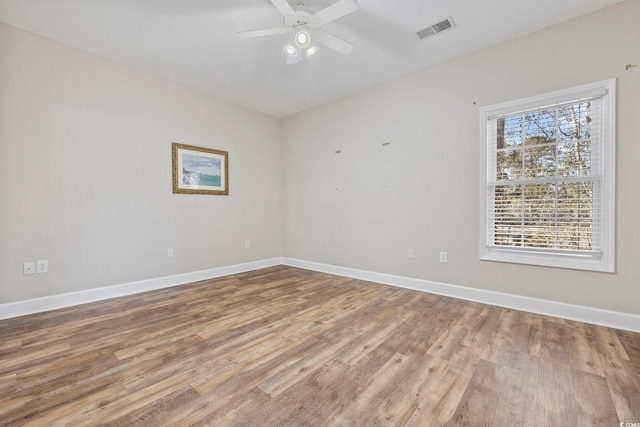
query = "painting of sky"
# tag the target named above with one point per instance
(201, 164)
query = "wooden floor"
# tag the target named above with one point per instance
(285, 346)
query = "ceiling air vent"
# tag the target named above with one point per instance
(441, 26)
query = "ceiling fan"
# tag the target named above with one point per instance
(304, 21)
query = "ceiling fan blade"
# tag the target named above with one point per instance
(262, 33)
(332, 42)
(335, 11)
(284, 7)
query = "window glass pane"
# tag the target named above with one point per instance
(574, 158)
(540, 127)
(574, 122)
(575, 215)
(508, 215)
(540, 161)
(509, 165)
(539, 215)
(509, 131)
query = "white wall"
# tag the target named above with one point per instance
(365, 207)
(85, 173)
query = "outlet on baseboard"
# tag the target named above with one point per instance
(443, 257)
(170, 253)
(410, 254)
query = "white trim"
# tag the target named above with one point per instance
(596, 316)
(52, 302)
(547, 260)
(547, 100)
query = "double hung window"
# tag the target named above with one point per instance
(548, 179)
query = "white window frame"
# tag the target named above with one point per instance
(605, 262)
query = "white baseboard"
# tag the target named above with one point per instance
(37, 305)
(596, 316)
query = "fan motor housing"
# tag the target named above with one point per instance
(302, 18)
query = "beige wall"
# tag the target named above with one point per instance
(365, 207)
(85, 169)
(85, 173)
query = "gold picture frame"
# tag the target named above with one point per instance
(199, 170)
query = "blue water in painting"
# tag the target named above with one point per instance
(195, 178)
(200, 170)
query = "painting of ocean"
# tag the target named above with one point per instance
(201, 170)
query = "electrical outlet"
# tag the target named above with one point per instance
(247, 244)
(410, 254)
(42, 266)
(170, 253)
(443, 257)
(29, 267)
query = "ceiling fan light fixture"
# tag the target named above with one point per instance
(291, 50)
(311, 51)
(302, 39)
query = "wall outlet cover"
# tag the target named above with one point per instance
(29, 267)
(42, 266)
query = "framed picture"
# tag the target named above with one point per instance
(198, 170)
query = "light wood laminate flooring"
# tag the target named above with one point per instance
(292, 347)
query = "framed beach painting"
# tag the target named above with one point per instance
(198, 170)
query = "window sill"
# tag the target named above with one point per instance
(544, 260)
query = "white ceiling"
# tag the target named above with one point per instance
(195, 42)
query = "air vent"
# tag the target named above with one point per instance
(441, 26)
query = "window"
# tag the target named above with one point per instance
(548, 179)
